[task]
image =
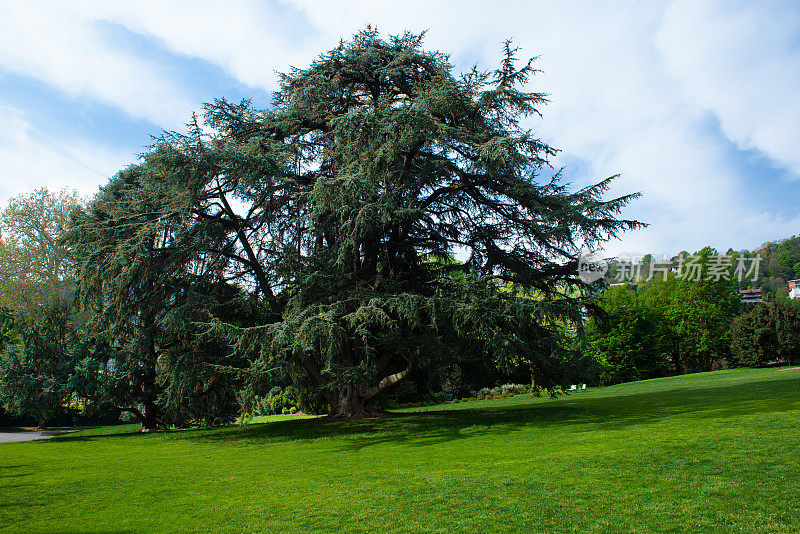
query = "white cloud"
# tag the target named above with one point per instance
(30, 159)
(742, 63)
(249, 40)
(617, 107)
(59, 44)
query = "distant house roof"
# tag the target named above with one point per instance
(749, 296)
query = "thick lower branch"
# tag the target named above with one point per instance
(390, 381)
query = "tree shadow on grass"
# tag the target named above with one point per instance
(10, 482)
(578, 414)
(91, 437)
(10, 474)
(92, 433)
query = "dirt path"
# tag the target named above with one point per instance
(10, 437)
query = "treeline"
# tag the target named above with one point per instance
(650, 328)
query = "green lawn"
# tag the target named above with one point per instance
(715, 452)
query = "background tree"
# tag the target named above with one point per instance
(36, 285)
(701, 312)
(767, 333)
(658, 327)
(35, 267)
(36, 368)
(629, 339)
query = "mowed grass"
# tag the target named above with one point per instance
(715, 452)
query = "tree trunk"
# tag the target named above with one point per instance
(350, 403)
(353, 401)
(676, 359)
(148, 417)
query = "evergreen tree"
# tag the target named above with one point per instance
(146, 290)
(37, 366)
(340, 210)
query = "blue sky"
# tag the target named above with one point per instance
(694, 103)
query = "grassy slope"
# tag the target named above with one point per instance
(711, 452)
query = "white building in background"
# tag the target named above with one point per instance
(794, 289)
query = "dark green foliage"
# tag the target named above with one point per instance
(767, 333)
(146, 293)
(36, 369)
(199, 376)
(753, 339)
(786, 318)
(130, 285)
(47, 372)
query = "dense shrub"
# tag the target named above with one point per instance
(504, 391)
(767, 333)
(278, 401)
